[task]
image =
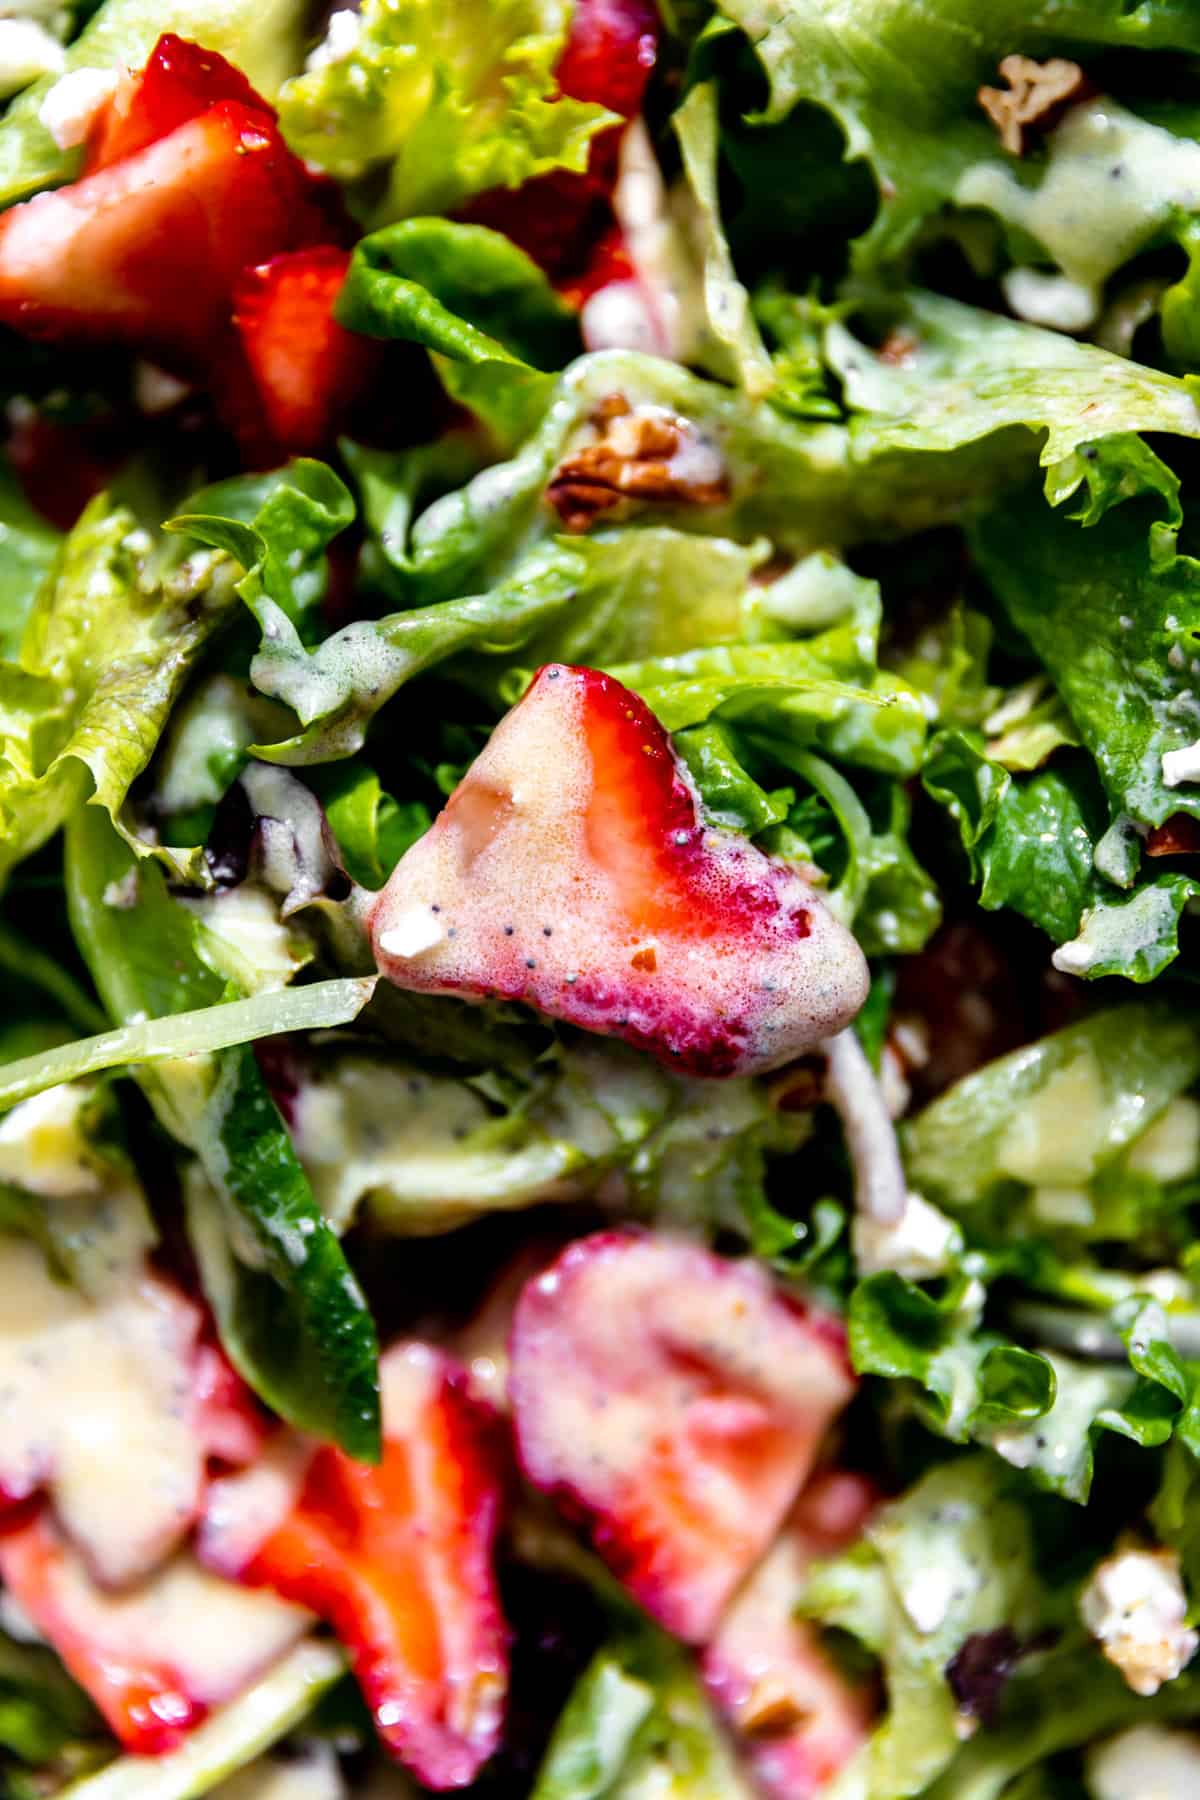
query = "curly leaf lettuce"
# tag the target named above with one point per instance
(439, 103)
(114, 634)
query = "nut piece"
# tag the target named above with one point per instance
(1037, 95)
(644, 455)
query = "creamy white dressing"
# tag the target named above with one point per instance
(247, 940)
(1111, 181)
(242, 1511)
(95, 1403)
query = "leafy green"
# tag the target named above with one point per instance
(263, 39)
(28, 547)
(291, 1314)
(1054, 1113)
(902, 82)
(372, 829)
(637, 1721)
(1113, 616)
(43, 1715)
(439, 104)
(952, 1557)
(474, 298)
(232, 1737)
(738, 346)
(967, 375)
(105, 652)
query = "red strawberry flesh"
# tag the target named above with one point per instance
(674, 1401)
(399, 1560)
(571, 870)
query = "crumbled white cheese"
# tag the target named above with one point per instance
(1134, 1605)
(1147, 1762)
(411, 933)
(340, 40)
(43, 1146)
(920, 1243)
(1181, 765)
(1074, 958)
(1063, 1206)
(70, 108)
(154, 390)
(27, 50)
(927, 1600)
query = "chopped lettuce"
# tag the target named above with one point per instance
(439, 104)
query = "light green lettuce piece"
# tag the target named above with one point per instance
(1054, 1113)
(233, 1736)
(638, 1727)
(28, 548)
(967, 374)
(952, 1557)
(262, 37)
(114, 634)
(199, 1033)
(901, 81)
(738, 349)
(440, 102)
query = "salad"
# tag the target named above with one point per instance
(599, 855)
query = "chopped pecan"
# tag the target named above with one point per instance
(1037, 95)
(635, 456)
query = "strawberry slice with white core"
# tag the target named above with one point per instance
(398, 1559)
(571, 870)
(156, 1657)
(797, 1717)
(180, 81)
(675, 1402)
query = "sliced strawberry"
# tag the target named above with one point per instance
(797, 1716)
(157, 1657)
(609, 53)
(180, 81)
(571, 870)
(306, 371)
(398, 1559)
(147, 251)
(675, 1402)
(227, 1419)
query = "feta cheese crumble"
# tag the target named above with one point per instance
(69, 109)
(1134, 1606)
(920, 1243)
(411, 933)
(27, 50)
(1147, 1762)
(1181, 765)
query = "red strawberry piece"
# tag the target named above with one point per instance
(797, 1717)
(180, 81)
(306, 370)
(398, 1559)
(675, 1402)
(571, 870)
(147, 251)
(227, 1418)
(609, 53)
(157, 1656)
(1177, 836)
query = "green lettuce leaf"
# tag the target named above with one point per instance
(289, 1309)
(45, 1720)
(902, 84)
(230, 1738)
(28, 548)
(736, 348)
(436, 105)
(953, 1557)
(638, 1723)
(105, 652)
(1113, 613)
(1054, 1113)
(967, 375)
(263, 39)
(474, 298)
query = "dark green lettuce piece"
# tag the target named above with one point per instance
(28, 547)
(289, 1309)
